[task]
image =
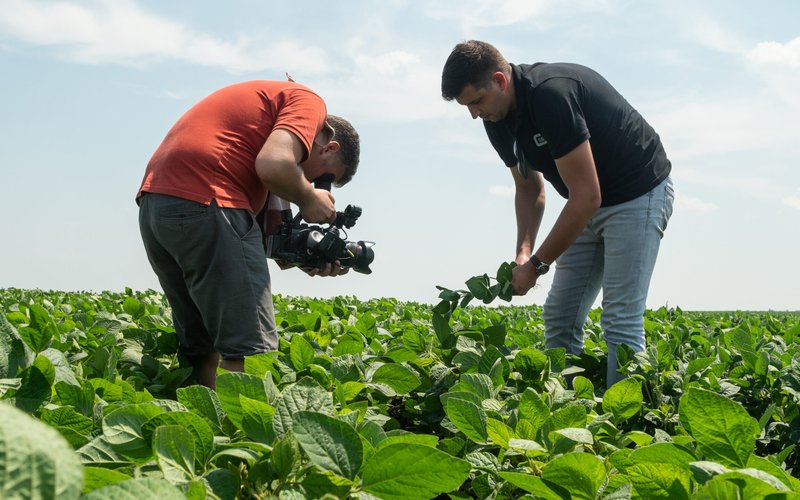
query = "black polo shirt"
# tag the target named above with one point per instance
(559, 106)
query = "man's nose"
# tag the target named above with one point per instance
(473, 112)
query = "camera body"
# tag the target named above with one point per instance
(306, 245)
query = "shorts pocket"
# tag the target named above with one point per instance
(242, 222)
(184, 211)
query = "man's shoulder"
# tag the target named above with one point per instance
(266, 87)
(539, 73)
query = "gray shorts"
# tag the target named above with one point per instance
(211, 265)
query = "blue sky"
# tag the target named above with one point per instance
(89, 89)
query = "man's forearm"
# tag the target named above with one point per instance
(578, 172)
(529, 211)
(569, 225)
(285, 179)
(277, 165)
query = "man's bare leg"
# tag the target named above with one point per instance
(233, 364)
(205, 369)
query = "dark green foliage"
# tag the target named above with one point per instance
(393, 398)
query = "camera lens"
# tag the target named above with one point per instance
(363, 255)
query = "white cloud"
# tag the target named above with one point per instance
(472, 14)
(390, 63)
(691, 204)
(792, 201)
(778, 66)
(753, 187)
(709, 32)
(121, 32)
(713, 124)
(502, 191)
(783, 54)
(401, 86)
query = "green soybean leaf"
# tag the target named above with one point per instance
(285, 455)
(658, 453)
(204, 402)
(749, 483)
(499, 432)
(199, 428)
(231, 385)
(582, 474)
(257, 420)
(317, 484)
(305, 394)
(477, 383)
(43, 326)
(623, 399)
(423, 439)
(75, 427)
(530, 363)
(35, 460)
(531, 484)
(479, 287)
(724, 431)
(762, 464)
(396, 376)
(533, 409)
(137, 489)
(702, 471)
(443, 331)
(98, 477)
(134, 307)
(34, 392)
(64, 371)
(80, 397)
(330, 443)
(483, 461)
(174, 449)
(223, 483)
(526, 445)
(584, 389)
(301, 353)
(505, 272)
(468, 418)
(122, 429)
(495, 335)
(577, 435)
(570, 416)
(403, 471)
(14, 354)
(347, 391)
(652, 480)
(261, 364)
(98, 452)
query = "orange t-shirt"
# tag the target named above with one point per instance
(210, 152)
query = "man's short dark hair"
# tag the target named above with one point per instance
(349, 147)
(470, 63)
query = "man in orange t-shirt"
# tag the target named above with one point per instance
(201, 191)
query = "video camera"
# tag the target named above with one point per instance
(307, 245)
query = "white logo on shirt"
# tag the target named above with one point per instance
(539, 140)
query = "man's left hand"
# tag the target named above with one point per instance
(327, 269)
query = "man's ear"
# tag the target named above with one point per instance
(500, 79)
(332, 147)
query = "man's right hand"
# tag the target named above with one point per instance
(319, 207)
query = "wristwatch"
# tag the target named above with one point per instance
(539, 266)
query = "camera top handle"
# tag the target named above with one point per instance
(324, 181)
(349, 216)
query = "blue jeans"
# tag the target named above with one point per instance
(616, 251)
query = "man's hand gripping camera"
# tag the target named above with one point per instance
(304, 245)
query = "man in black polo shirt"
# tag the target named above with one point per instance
(567, 124)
